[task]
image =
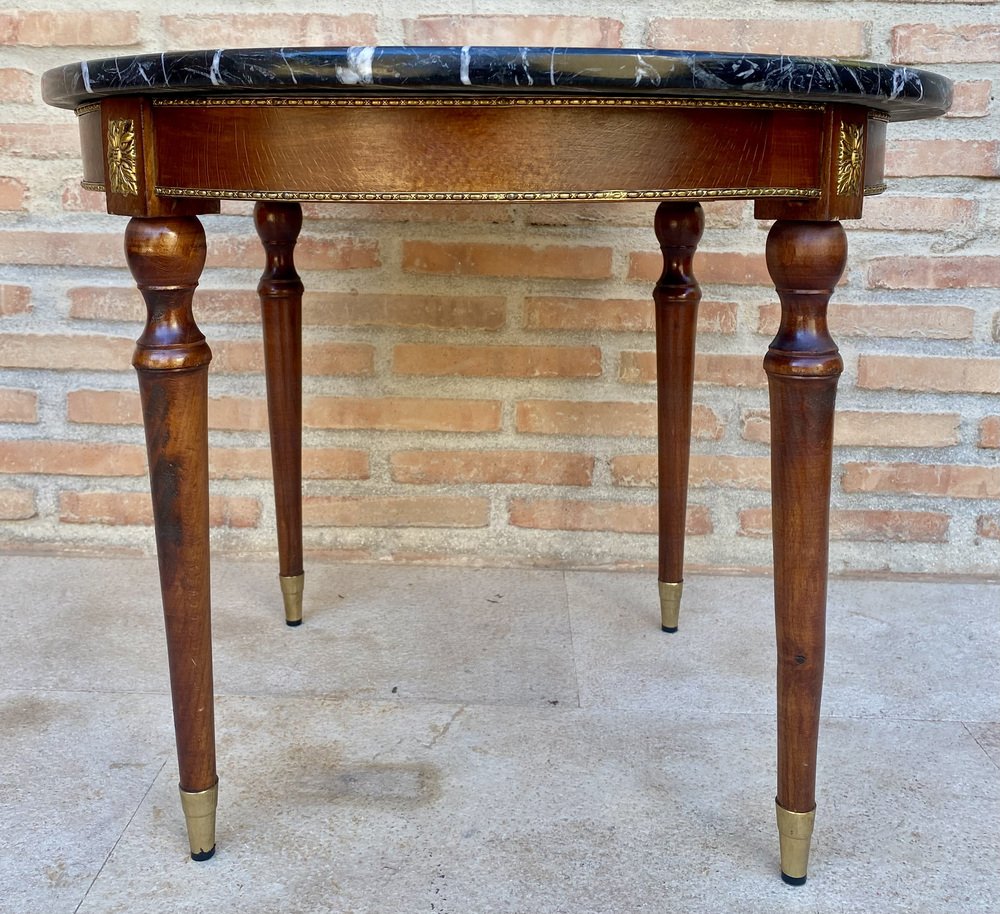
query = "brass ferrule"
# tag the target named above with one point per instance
(199, 812)
(291, 592)
(670, 604)
(794, 834)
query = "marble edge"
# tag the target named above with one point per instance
(901, 92)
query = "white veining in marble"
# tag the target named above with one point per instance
(464, 68)
(213, 73)
(644, 70)
(902, 92)
(358, 71)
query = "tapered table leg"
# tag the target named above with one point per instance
(679, 227)
(280, 291)
(166, 256)
(805, 260)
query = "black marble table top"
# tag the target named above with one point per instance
(902, 92)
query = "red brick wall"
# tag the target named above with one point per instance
(480, 379)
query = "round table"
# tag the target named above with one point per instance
(167, 136)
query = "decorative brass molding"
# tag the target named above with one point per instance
(872, 190)
(93, 185)
(670, 604)
(695, 193)
(794, 835)
(199, 812)
(850, 159)
(291, 594)
(267, 101)
(411, 102)
(122, 176)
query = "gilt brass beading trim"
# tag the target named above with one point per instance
(268, 101)
(86, 109)
(712, 193)
(872, 189)
(726, 193)
(122, 174)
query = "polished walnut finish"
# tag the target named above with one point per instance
(166, 257)
(207, 150)
(803, 139)
(451, 140)
(678, 228)
(805, 260)
(280, 291)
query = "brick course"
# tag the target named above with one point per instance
(136, 508)
(255, 30)
(14, 300)
(930, 44)
(497, 361)
(12, 194)
(16, 85)
(605, 516)
(864, 526)
(566, 31)
(45, 28)
(16, 504)
(18, 405)
(510, 467)
(510, 260)
(394, 511)
(482, 377)
(818, 37)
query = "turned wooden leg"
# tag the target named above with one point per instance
(805, 260)
(280, 291)
(166, 256)
(678, 229)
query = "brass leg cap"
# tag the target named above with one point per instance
(670, 605)
(794, 834)
(199, 812)
(291, 592)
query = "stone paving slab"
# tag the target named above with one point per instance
(546, 748)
